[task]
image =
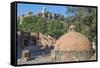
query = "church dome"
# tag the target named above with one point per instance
(73, 41)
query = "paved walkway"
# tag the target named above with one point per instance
(39, 59)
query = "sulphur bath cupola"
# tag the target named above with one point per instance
(73, 46)
(72, 28)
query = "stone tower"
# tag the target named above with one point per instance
(21, 19)
(43, 9)
(43, 12)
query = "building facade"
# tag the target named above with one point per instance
(34, 41)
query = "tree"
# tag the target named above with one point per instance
(84, 18)
(55, 28)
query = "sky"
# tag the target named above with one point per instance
(23, 8)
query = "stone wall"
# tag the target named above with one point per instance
(64, 56)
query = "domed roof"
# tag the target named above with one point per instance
(73, 41)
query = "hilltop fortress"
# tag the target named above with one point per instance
(44, 13)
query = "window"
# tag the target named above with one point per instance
(25, 42)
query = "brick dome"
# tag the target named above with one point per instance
(73, 41)
(73, 46)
